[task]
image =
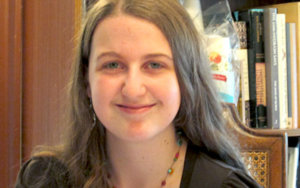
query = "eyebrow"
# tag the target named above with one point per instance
(148, 56)
(108, 54)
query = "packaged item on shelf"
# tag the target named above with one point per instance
(222, 42)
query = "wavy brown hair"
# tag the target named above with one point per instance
(200, 114)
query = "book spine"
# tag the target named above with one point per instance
(243, 105)
(252, 87)
(289, 77)
(292, 11)
(292, 55)
(293, 162)
(260, 69)
(251, 32)
(282, 70)
(271, 58)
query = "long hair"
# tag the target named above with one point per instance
(200, 114)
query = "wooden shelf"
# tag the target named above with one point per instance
(290, 132)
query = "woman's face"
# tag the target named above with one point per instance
(132, 79)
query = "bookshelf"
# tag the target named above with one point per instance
(293, 134)
(246, 4)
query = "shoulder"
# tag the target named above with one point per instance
(221, 174)
(210, 172)
(43, 171)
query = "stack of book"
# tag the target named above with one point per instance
(269, 69)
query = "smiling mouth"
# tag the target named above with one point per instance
(135, 109)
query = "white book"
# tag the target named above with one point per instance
(292, 75)
(282, 71)
(242, 56)
(293, 158)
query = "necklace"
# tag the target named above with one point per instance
(171, 169)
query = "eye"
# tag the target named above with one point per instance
(155, 65)
(112, 65)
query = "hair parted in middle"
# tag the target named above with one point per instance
(200, 114)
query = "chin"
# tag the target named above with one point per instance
(139, 135)
(144, 134)
(140, 131)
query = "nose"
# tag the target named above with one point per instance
(134, 85)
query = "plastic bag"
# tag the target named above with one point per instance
(216, 27)
(222, 42)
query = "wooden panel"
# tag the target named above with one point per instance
(48, 52)
(10, 89)
(273, 142)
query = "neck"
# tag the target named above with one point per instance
(144, 163)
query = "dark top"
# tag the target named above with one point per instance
(200, 171)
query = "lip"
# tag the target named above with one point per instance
(135, 109)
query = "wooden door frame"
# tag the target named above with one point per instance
(10, 89)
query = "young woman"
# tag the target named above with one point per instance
(144, 111)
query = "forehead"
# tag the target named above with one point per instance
(126, 24)
(120, 31)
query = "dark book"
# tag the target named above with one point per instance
(256, 65)
(271, 57)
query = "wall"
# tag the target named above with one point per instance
(36, 50)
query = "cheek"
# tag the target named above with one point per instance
(169, 93)
(102, 91)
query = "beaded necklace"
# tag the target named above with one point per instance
(171, 169)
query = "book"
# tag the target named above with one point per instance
(292, 75)
(260, 71)
(292, 13)
(282, 70)
(271, 58)
(293, 162)
(242, 57)
(256, 65)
